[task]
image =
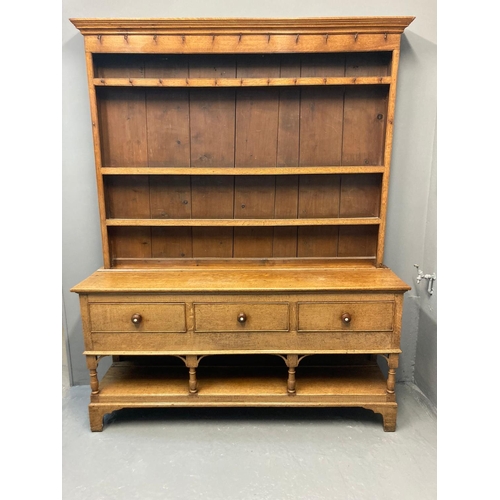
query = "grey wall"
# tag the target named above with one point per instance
(426, 356)
(411, 219)
(411, 237)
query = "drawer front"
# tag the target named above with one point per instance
(345, 316)
(237, 317)
(137, 317)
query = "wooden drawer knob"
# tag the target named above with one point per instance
(242, 317)
(346, 318)
(136, 318)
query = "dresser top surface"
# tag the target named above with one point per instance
(241, 280)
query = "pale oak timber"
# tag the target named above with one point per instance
(326, 221)
(248, 263)
(334, 25)
(236, 82)
(241, 280)
(140, 387)
(242, 168)
(241, 171)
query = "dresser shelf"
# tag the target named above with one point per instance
(243, 222)
(238, 82)
(354, 169)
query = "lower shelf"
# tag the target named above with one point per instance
(129, 385)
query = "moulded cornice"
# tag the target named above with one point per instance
(331, 25)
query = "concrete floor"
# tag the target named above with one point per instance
(249, 453)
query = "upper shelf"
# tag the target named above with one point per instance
(239, 82)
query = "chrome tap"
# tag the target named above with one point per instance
(429, 277)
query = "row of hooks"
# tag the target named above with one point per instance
(240, 36)
(269, 81)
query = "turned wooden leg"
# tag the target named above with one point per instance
(389, 413)
(193, 383)
(92, 366)
(192, 364)
(392, 362)
(292, 363)
(94, 382)
(291, 382)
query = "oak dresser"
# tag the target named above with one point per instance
(242, 171)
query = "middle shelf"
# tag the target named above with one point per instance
(244, 222)
(312, 170)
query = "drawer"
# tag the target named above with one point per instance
(235, 317)
(345, 316)
(137, 317)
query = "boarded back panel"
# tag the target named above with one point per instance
(171, 242)
(286, 198)
(319, 196)
(254, 197)
(288, 128)
(170, 197)
(368, 64)
(257, 114)
(321, 125)
(212, 197)
(127, 197)
(257, 118)
(122, 116)
(212, 66)
(168, 146)
(357, 241)
(290, 65)
(285, 242)
(253, 242)
(212, 145)
(317, 241)
(256, 127)
(212, 127)
(287, 187)
(364, 127)
(166, 66)
(258, 65)
(118, 66)
(360, 195)
(323, 65)
(216, 242)
(130, 242)
(286, 207)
